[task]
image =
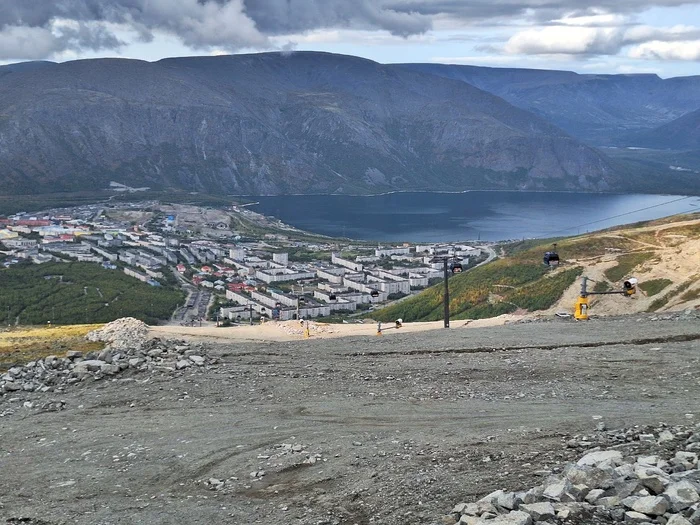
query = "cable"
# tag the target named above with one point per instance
(615, 216)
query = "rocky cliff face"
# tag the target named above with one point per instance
(274, 124)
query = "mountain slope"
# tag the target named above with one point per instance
(661, 254)
(599, 109)
(274, 124)
(680, 134)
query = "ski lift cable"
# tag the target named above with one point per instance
(614, 216)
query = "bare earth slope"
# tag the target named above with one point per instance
(392, 430)
(672, 252)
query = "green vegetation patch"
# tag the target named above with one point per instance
(663, 301)
(602, 286)
(691, 295)
(73, 293)
(543, 293)
(626, 263)
(532, 251)
(654, 286)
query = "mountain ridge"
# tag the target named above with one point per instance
(272, 123)
(601, 110)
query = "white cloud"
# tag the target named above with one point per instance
(645, 33)
(27, 42)
(565, 40)
(658, 50)
(595, 20)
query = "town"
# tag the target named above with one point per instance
(235, 265)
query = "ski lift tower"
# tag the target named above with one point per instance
(451, 263)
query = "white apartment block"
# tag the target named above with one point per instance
(337, 304)
(278, 275)
(388, 252)
(281, 258)
(354, 266)
(332, 275)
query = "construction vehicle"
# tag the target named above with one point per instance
(581, 307)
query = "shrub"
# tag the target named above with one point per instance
(654, 286)
(625, 264)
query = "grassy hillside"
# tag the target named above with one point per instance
(503, 286)
(20, 345)
(73, 293)
(659, 253)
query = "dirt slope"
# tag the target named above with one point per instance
(674, 254)
(392, 430)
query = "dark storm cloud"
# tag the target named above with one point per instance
(38, 28)
(288, 16)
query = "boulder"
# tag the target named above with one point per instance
(559, 491)
(505, 500)
(91, 365)
(652, 505)
(514, 517)
(197, 360)
(636, 517)
(593, 459)
(183, 363)
(110, 369)
(681, 495)
(539, 511)
(677, 519)
(592, 477)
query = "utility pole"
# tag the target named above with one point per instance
(447, 295)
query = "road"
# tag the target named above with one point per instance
(196, 304)
(400, 427)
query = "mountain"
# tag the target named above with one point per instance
(273, 124)
(680, 134)
(602, 110)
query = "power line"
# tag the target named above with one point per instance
(614, 216)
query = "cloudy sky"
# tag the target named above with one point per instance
(603, 36)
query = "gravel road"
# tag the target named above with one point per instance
(386, 430)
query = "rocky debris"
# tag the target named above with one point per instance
(121, 335)
(55, 374)
(282, 457)
(299, 327)
(606, 486)
(680, 315)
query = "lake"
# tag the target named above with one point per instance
(485, 215)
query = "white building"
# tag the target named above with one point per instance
(388, 252)
(237, 254)
(354, 266)
(278, 275)
(332, 275)
(281, 258)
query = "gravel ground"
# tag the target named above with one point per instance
(387, 430)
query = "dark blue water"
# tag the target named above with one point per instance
(485, 215)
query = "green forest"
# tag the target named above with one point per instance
(75, 293)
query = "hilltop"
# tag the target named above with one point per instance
(661, 254)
